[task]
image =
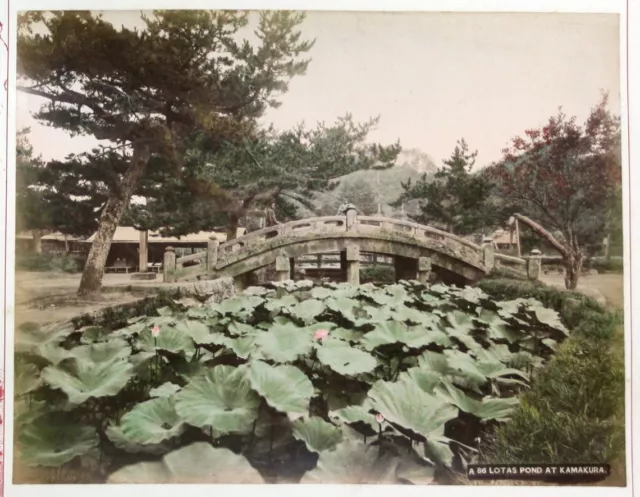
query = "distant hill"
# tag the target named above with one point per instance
(365, 186)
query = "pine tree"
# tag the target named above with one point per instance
(272, 175)
(455, 198)
(148, 91)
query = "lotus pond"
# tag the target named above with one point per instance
(290, 382)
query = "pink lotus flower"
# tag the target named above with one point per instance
(155, 331)
(322, 334)
(379, 418)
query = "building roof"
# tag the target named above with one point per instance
(24, 235)
(128, 234)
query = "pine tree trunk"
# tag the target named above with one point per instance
(91, 281)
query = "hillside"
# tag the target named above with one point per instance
(363, 187)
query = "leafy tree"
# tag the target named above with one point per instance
(565, 177)
(50, 198)
(272, 175)
(357, 192)
(454, 198)
(32, 209)
(148, 91)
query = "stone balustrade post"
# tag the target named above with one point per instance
(352, 219)
(283, 268)
(353, 264)
(534, 265)
(424, 269)
(488, 252)
(169, 265)
(212, 256)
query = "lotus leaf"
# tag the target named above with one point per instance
(27, 379)
(116, 349)
(89, 379)
(320, 293)
(389, 332)
(424, 378)
(438, 450)
(52, 441)
(353, 462)
(355, 414)
(487, 408)
(242, 347)
(170, 339)
(53, 353)
(92, 334)
(240, 329)
(152, 422)
(285, 388)
(317, 434)
(114, 433)
(284, 302)
(549, 317)
(222, 398)
(346, 360)
(307, 310)
(343, 306)
(165, 390)
(407, 405)
(195, 463)
(199, 332)
(284, 343)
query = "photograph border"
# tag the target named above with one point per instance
(629, 12)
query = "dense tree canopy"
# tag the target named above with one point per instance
(51, 197)
(148, 91)
(274, 172)
(564, 177)
(455, 198)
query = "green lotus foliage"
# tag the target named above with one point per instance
(346, 360)
(51, 440)
(165, 390)
(195, 463)
(283, 344)
(152, 422)
(88, 379)
(317, 434)
(369, 378)
(285, 388)
(222, 398)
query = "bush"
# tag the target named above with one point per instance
(574, 412)
(602, 265)
(49, 263)
(378, 274)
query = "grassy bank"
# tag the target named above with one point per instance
(574, 412)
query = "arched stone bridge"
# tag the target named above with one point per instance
(419, 251)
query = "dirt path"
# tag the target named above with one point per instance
(609, 285)
(49, 297)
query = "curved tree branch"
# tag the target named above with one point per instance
(543, 233)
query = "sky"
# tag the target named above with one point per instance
(433, 78)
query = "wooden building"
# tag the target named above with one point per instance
(53, 243)
(125, 254)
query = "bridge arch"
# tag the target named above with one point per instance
(418, 250)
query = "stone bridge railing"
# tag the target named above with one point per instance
(216, 254)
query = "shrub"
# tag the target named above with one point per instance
(378, 274)
(49, 263)
(602, 265)
(574, 411)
